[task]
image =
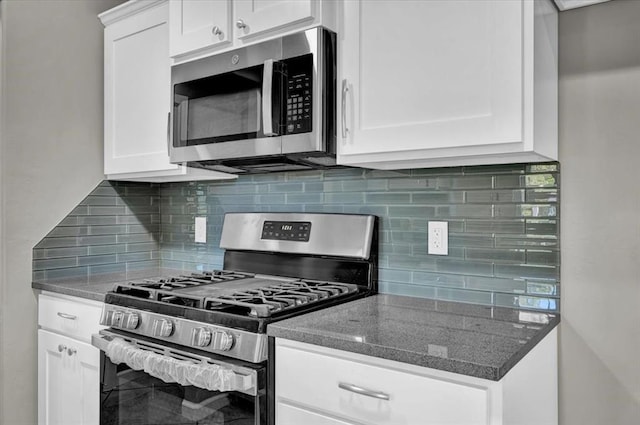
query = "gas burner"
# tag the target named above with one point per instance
(166, 289)
(272, 299)
(218, 275)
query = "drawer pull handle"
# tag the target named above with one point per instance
(363, 391)
(61, 348)
(67, 316)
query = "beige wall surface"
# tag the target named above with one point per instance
(51, 141)
(599, 97)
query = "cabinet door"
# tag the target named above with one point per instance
(258, 16)
(430, 75)
(68, 381)
(137, 93)
(197, 24)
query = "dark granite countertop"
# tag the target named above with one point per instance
(474, 340)
(95, 287)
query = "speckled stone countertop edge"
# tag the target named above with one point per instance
(509, 364)
(389, 353)
(95, 292)
(95, 287)
(478, 370)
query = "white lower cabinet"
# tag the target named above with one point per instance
(68, 365)
(322, 386)
(68, 381)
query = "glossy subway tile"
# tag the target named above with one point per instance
(495, 284)
(462, 295)
(422, 291)
(495, 196)
(496, 255)
(503, 226)
(492, 226)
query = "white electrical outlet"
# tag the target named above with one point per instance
(438, 238)
(201, 229)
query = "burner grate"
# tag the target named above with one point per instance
(167, 289)
(284, 296)
(235, 292)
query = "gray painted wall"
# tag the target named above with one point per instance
(600, 229)
(51, 159)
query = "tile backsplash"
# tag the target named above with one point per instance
(116, 229)
(503, 227)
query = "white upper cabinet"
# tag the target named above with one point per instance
(254, 17)
(442, 83)
(196, 24)
(137, 84)
(202, 27)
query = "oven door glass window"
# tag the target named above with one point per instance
(135, 398)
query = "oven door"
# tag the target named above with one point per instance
(143, 382)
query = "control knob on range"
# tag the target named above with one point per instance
(221, 340)
(120, 319)
(200, 337)
(162, 328)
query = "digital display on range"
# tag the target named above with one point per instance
(286, 230)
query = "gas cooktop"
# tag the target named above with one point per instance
(238, 293)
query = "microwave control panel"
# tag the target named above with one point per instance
(299, 104)
(299, 94)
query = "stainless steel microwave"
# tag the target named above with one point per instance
(265, 107)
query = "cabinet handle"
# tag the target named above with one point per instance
(216, 30)
(67, 316)
(345, 90)
(71, 351)
(61, 348)
(240, 24)
(363, 391)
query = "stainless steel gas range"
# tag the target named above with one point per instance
(192, 348)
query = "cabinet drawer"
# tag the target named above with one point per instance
(72, 316)
(292, 415)
(340, 386)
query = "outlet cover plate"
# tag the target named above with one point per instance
(201, 230)
(438, 238)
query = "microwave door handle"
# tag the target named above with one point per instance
(267, 99)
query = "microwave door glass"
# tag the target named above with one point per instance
(219, 108)
(225, 114)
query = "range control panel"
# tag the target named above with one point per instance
(286, 230)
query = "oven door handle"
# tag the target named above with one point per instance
(156, 361)
(100, 342)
